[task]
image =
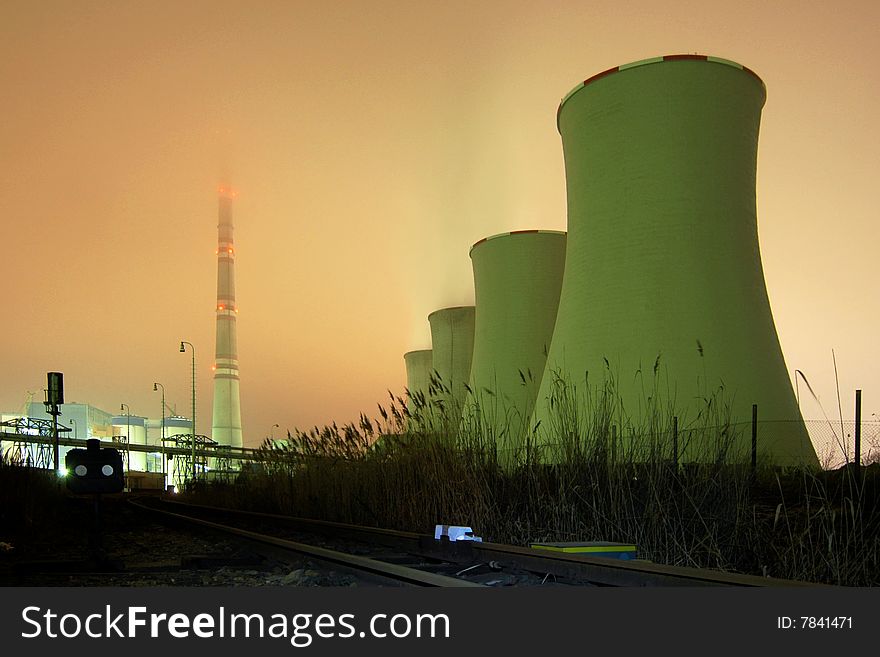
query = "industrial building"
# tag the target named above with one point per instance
(134, 434)
(84, 421)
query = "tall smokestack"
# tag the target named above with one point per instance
(227, 405)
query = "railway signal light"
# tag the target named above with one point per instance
(95, 469)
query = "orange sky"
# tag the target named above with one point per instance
(372, 143)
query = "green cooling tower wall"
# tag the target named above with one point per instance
(517, 279)
(452, 338)
(662, 255)
(419, 365)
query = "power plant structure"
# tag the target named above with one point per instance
(146, 443)
(452, 339)
(156, 452)
(419, 366)
(517, 280)
(662, 306)
(226, 427)
(663, 289)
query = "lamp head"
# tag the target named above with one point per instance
(181, 348)
(155, 387)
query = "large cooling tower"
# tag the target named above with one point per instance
(419, 365)
(517, 279)
(452, 338)
(662, 256)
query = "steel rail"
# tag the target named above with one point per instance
(594, 570)
(396, 572)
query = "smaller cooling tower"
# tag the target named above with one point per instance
(419, 365)
(517, 279)
(452, 336)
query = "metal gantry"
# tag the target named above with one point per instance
(32, 445)
(122, 444)
(27, 452)
(189, 458)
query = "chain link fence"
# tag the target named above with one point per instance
(835, 441)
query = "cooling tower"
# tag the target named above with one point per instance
(452, 338)
(662, 256)
(517, 279)
(419, 365)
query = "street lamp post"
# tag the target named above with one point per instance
(156, 387)
(182, 350)
(272, 433)
(125, 407)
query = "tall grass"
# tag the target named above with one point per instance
(30, 498)
(595, 472)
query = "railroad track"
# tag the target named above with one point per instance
(461, 557)
(381, 571)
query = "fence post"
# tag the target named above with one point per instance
(754, 437)
(675, 440)
(857, 456)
